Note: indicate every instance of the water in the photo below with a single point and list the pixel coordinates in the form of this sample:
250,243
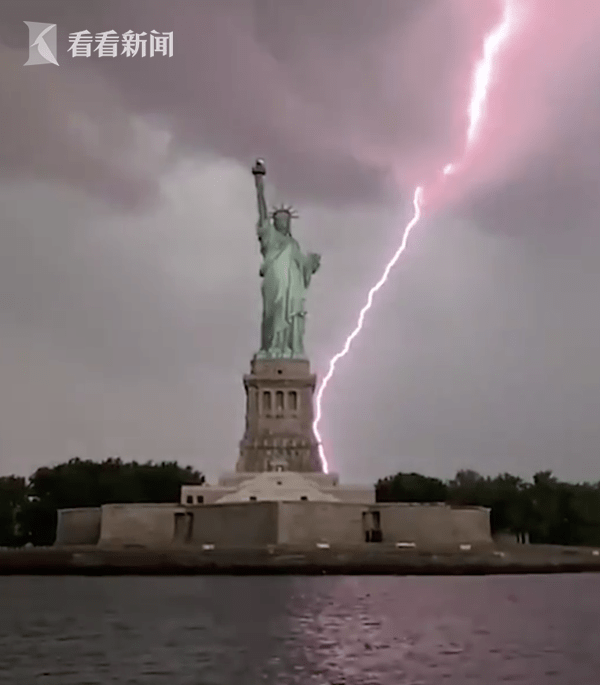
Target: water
300,630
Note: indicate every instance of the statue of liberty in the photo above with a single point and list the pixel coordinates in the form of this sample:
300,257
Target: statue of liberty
286,274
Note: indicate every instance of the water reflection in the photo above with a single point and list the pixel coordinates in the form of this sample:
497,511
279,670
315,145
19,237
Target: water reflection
294,630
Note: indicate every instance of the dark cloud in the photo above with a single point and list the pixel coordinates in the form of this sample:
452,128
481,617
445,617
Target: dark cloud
319,97
74,129
348,105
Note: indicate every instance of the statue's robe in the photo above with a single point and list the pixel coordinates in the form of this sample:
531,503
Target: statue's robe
286,274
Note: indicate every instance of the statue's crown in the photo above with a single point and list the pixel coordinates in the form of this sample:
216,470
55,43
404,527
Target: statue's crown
285,209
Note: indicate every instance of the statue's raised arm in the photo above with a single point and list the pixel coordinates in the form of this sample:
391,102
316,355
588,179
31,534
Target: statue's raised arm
259,171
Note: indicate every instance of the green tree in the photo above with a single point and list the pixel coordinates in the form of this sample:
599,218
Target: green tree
548,510
469,488
79,483
13,497
410,487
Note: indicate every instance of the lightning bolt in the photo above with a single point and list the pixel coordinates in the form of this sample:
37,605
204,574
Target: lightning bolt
481,82
483,74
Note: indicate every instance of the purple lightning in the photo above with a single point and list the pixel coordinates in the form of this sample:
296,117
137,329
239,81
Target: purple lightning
482,79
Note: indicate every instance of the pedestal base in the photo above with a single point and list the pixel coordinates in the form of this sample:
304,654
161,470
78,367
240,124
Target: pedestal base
279,417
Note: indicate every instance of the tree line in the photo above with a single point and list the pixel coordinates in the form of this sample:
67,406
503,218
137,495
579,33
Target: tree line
28,506
546,510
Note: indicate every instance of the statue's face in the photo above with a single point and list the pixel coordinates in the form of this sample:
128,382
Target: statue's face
282,222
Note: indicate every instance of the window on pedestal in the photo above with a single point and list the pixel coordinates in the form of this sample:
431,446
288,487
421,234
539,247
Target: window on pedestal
267,401
279,401
293,400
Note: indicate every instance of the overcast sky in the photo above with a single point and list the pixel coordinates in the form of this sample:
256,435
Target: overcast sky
129,287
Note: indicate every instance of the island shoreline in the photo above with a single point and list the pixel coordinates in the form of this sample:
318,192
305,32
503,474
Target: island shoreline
94,561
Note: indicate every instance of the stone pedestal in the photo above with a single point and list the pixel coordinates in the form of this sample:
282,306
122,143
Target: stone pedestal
279,417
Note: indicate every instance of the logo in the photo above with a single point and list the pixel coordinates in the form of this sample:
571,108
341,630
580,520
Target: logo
42,43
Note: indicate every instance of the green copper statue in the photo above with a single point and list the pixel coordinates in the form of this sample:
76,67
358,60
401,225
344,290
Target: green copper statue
286,274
